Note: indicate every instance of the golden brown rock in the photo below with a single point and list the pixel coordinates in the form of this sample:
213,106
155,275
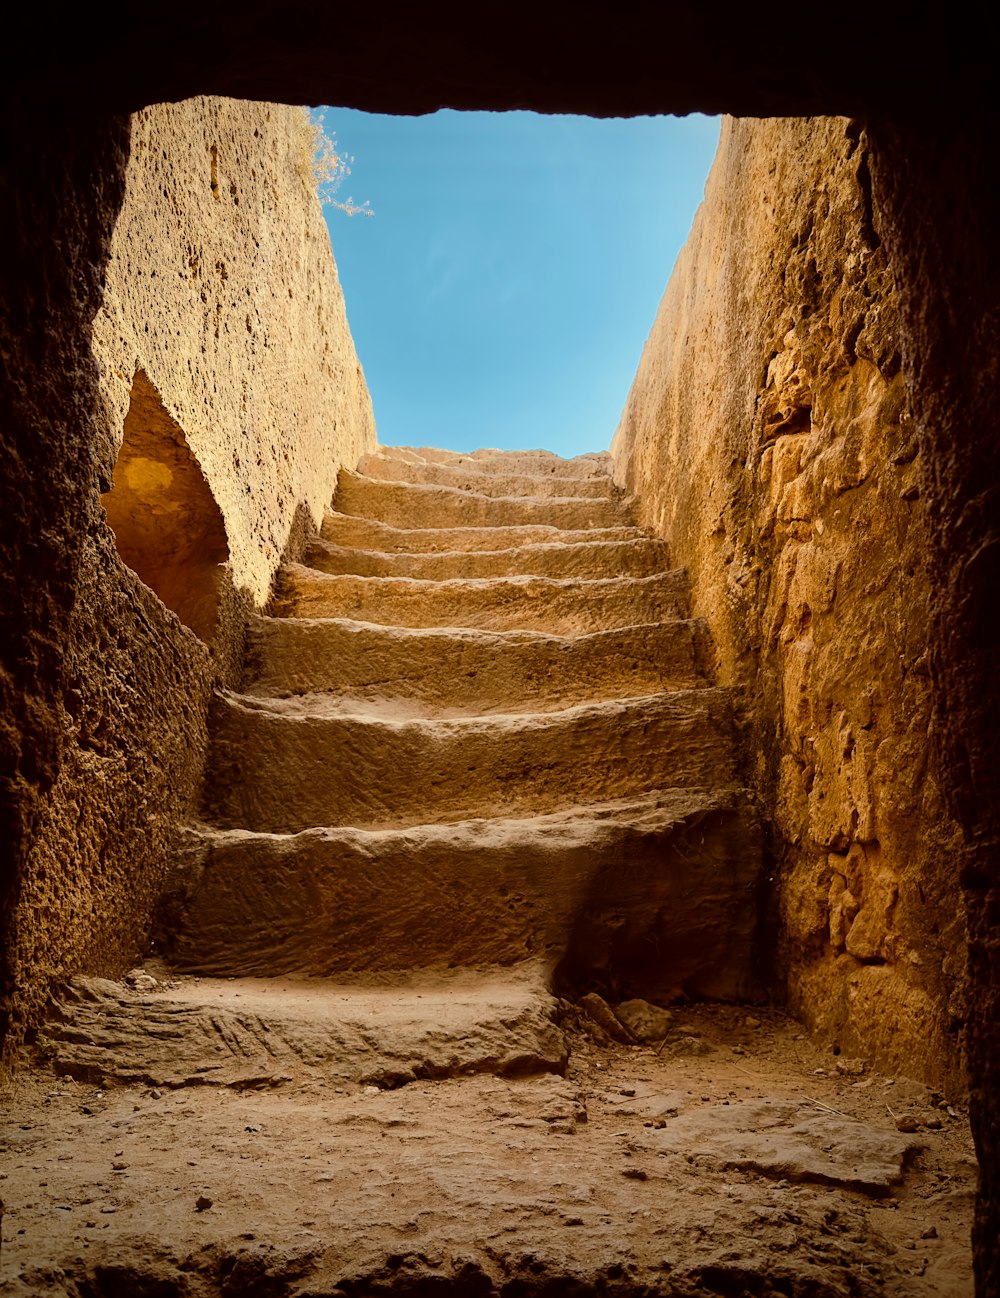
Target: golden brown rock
222,293
768,440
463,769
228,375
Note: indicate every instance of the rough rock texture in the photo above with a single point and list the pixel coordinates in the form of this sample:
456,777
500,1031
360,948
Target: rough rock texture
932,119
221,291
537,770
745,1166
246,1033
217,303
769,440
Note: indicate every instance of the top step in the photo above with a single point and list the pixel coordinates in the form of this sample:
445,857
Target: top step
498,479
496,461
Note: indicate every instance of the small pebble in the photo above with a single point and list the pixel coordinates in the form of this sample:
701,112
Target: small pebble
751,1022
634,1173
202,1202
929,1233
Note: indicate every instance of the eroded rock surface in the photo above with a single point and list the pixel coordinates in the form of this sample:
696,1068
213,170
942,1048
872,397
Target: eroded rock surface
484,763
670,1172
245,1033
210,321
769,442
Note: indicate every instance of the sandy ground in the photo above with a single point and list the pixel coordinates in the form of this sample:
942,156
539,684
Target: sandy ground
735,1158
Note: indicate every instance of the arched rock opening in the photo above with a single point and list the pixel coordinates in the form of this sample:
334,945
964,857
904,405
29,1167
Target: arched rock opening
167,525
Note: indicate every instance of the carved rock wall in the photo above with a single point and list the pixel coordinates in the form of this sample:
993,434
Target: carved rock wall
221,336
222,290
768,438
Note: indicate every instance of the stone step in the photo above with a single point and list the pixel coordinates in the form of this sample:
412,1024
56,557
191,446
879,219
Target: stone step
473,475
562,606
599,886
470,671
282,765
635,558
410,504
487,461
354,532
249,1034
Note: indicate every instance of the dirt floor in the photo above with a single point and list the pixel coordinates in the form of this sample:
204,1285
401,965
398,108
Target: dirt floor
734,1157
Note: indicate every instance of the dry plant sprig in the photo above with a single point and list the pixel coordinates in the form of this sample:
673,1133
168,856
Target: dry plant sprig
323,164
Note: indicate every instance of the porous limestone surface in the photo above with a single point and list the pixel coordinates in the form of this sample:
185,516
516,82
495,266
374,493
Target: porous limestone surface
222,290
730,1157
523,602
594,887
538,769
419,504
407,671
222,315
282,765
642,557
767,440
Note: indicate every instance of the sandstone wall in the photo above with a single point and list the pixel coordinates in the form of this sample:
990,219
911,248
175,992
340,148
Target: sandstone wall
222,290
227,366
768,438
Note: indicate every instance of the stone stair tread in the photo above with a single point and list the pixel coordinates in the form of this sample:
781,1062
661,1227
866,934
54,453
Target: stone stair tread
421,504
475,477
442,456
655,808
298,708
248,1033
535,463
562,604
637,556
280,769
497,890
369,533
498,671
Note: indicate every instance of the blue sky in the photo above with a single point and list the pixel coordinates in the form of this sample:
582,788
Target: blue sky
502,293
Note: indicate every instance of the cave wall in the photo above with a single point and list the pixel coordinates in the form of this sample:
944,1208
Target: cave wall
931,118
221,289
211,322
769,438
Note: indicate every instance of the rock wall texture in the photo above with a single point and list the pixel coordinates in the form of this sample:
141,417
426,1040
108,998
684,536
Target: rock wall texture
931,117
222,291
221,348
769,439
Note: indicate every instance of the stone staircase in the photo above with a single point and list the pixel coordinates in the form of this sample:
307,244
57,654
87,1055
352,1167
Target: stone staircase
479,757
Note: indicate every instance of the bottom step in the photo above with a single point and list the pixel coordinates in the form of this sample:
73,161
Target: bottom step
251,1033
656,893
